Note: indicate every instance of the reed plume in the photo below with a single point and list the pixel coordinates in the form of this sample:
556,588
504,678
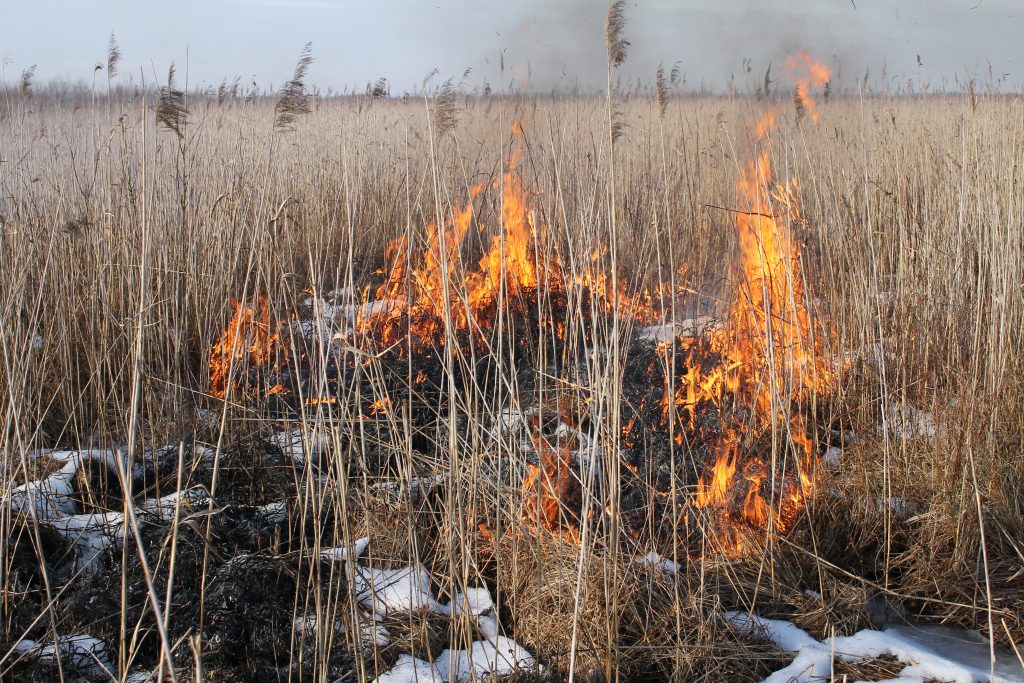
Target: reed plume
25,82
113,56
800,104
613,29
674,75
379,89
661,90
293,102
171,111
446,114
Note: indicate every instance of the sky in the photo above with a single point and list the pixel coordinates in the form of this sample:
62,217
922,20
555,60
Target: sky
544,45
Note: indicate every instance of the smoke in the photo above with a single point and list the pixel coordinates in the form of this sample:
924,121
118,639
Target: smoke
560,46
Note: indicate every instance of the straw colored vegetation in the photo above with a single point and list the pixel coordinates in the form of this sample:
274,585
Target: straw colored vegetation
130,228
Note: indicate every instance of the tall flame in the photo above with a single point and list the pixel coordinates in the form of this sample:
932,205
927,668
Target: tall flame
774,353
813,75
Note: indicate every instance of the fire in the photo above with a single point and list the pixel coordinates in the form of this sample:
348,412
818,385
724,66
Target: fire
730,390
443,292
247,342
551,492
773,351
814,75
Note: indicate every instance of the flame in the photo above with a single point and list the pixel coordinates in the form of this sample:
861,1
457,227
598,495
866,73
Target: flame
381,406
247,342
814,75
751,375
551,493
772,350
440,291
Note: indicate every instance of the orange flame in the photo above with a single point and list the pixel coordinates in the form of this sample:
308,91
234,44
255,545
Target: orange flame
773,350
247,342
814,75
520,259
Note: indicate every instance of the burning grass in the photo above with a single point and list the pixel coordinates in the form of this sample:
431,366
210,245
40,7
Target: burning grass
620,435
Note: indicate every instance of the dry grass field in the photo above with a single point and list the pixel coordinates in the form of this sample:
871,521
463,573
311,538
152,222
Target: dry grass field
788,361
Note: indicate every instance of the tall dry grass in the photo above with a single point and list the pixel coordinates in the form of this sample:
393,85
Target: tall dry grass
124,243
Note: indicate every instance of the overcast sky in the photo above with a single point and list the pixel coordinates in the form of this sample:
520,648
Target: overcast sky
546,43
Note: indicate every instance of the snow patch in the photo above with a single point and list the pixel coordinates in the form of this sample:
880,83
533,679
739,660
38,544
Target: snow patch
908,422
832,457
87,655
929,653
394,590
653,559
408,669
499,656
341,553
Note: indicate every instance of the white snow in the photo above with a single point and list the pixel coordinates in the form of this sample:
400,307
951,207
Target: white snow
341,553
92,533
299,446
408,669
901,508
273,513
832,457
417,486
474,602
691,327
409,589
908,422
921,649
497,656
51,497
87,655
371,631
394,590
653,559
